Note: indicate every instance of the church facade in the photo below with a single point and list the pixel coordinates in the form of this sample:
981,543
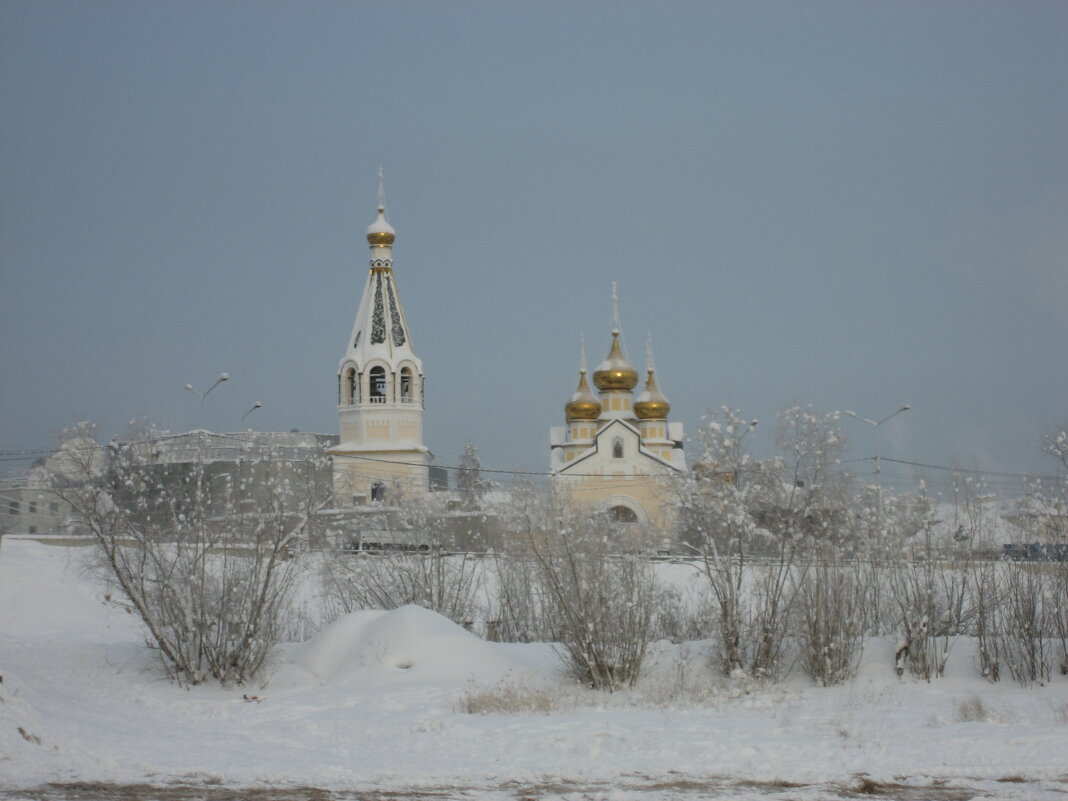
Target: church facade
617,451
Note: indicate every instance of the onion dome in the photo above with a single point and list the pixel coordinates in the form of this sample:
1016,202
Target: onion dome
651,404
583,404
615,372
381,232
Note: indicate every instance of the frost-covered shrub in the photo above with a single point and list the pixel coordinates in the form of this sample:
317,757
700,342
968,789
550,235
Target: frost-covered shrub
830,616
598,605
752,521
446,584
682,613
1059,588
202,551
985,598
1028,622
514,609
932,613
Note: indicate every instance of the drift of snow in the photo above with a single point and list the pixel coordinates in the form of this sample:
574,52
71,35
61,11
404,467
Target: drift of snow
404,646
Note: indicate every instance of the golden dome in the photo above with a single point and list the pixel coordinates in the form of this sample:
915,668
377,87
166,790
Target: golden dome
381,232
583,404
651,404
615,372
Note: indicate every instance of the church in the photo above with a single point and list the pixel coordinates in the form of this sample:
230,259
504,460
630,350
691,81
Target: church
611,457
380,456
616,450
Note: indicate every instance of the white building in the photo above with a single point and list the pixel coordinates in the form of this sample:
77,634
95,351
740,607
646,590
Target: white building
381,454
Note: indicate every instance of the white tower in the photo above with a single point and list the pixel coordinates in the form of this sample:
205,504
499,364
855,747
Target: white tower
380,389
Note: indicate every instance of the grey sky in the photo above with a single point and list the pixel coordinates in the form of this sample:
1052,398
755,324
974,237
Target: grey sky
853,205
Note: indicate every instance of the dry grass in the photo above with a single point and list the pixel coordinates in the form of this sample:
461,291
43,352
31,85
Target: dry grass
1060,712
515,699
973,710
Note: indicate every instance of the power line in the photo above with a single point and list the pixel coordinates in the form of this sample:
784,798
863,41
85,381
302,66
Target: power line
21,455
972,471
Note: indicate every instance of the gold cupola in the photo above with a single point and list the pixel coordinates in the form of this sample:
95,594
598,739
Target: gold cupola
651,404
615,372
583,404
380,232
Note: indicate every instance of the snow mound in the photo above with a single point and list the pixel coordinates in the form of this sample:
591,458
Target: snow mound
406,644
46,594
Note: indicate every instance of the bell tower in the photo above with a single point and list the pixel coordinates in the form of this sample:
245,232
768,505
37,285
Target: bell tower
381,455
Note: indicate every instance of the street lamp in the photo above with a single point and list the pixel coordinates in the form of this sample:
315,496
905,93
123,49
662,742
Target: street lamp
878,469
222,377
254,407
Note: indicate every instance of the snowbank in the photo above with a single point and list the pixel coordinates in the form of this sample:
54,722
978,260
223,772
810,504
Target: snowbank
372,704
409,645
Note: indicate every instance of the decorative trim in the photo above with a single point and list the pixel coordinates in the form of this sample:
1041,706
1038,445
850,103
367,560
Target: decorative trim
397,328
378,320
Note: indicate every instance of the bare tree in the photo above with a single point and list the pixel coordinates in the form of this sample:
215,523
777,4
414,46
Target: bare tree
469,479
420,571
444,583
716,510
1054,495
1027,621
515,612
595,602
831,618
200,550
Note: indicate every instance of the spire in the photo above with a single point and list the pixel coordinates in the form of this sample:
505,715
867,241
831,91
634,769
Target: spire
582,351
616,325
615,372
649,366
381,329
380,233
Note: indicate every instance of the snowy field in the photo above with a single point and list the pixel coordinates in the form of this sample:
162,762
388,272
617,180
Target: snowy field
375,707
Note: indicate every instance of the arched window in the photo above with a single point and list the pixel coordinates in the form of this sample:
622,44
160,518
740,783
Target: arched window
623,514
406,385
378,384
378,492
349,392
617,448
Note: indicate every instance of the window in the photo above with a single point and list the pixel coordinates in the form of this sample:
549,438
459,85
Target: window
33,529
53,506
406,384
33,507
623,514
378,491
617,448
350,392
12,507
378,384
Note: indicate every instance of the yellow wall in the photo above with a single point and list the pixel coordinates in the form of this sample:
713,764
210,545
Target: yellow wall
403,473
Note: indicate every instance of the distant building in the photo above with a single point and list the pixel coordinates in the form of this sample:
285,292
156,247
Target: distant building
29,506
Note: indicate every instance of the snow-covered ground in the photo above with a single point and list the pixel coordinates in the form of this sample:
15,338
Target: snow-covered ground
373,706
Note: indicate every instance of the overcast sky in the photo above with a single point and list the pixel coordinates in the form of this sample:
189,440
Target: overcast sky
849,205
